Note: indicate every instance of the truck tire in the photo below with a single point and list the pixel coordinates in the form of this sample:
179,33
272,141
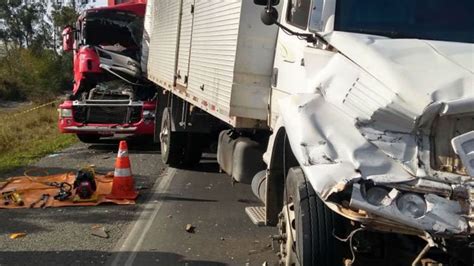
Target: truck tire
306,226
172,142
88,138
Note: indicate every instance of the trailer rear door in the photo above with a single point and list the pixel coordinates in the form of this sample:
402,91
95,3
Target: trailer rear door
185,40
162,61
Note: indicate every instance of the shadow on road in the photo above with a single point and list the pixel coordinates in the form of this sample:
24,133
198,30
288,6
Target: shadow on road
87,257
165,197
134,145
205,166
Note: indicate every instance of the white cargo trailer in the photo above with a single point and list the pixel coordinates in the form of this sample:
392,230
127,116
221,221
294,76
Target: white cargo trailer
216,55
341,110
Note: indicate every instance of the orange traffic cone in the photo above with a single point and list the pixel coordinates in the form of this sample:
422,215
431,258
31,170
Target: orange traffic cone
123,186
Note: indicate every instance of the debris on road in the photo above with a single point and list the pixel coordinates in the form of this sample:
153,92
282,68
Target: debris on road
17,235
142,187
190,228
99,231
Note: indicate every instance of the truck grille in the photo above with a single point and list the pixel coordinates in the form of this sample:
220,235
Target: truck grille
107,114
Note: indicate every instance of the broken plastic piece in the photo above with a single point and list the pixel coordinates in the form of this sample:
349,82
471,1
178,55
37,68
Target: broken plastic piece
17,235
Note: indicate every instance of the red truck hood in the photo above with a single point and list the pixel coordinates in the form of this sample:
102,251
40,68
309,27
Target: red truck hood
137,8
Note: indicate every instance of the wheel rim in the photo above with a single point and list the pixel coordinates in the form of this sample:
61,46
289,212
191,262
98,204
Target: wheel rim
287,230
164,137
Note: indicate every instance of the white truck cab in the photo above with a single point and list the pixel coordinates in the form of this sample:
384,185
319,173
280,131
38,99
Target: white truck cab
374,97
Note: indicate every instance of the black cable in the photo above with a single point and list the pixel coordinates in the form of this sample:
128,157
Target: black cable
303,36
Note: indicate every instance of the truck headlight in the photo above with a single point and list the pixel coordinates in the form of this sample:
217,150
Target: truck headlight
65,113
148,115
411,205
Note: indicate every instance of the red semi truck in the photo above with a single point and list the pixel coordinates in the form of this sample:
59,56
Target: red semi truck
110,96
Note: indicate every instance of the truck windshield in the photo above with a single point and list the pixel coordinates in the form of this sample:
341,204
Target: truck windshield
445,20
109,27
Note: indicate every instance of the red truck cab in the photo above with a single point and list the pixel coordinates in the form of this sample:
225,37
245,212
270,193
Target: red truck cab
110,96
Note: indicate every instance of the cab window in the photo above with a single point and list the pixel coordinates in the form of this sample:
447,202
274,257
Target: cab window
298,13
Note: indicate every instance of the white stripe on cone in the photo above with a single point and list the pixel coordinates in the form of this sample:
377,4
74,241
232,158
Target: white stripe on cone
120,172
122,153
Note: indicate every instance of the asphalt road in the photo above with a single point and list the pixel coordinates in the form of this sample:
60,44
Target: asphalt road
151,232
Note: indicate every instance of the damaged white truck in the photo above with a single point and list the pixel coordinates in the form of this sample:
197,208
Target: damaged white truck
353,120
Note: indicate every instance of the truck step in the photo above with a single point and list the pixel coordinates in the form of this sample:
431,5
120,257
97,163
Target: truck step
256,215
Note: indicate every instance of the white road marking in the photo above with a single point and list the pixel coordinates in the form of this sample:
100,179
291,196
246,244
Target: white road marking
131,245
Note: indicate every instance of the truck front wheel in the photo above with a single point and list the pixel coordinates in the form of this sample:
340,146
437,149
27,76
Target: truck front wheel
307,225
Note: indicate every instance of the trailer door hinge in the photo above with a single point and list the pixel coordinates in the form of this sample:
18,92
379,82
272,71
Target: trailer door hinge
192,9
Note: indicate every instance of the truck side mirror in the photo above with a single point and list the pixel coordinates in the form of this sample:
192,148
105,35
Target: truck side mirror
266,2
269,16
68,39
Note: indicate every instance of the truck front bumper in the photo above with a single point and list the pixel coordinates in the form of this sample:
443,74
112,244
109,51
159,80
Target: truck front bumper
101,129
142,126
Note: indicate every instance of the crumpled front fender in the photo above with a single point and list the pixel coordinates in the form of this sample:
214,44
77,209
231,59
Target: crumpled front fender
330,149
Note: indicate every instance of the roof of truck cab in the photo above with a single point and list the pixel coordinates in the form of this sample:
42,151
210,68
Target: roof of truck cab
136,8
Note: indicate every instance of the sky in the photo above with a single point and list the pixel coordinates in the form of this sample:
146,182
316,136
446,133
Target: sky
96,3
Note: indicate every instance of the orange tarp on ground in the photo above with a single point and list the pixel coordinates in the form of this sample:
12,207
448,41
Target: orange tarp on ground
31,190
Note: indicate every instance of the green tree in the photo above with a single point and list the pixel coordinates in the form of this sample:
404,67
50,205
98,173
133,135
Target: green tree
30,66
64,15
22,22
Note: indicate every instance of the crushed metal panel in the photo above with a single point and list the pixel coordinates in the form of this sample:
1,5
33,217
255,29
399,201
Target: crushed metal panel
441,216
329,147
147,33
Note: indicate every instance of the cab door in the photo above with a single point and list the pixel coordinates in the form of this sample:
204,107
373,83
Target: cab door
289,74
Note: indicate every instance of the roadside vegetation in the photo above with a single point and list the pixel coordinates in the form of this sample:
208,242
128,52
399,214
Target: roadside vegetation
27,137
37,76
32,69
32,66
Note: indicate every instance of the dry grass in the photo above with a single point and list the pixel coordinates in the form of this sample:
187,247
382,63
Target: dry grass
26,137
